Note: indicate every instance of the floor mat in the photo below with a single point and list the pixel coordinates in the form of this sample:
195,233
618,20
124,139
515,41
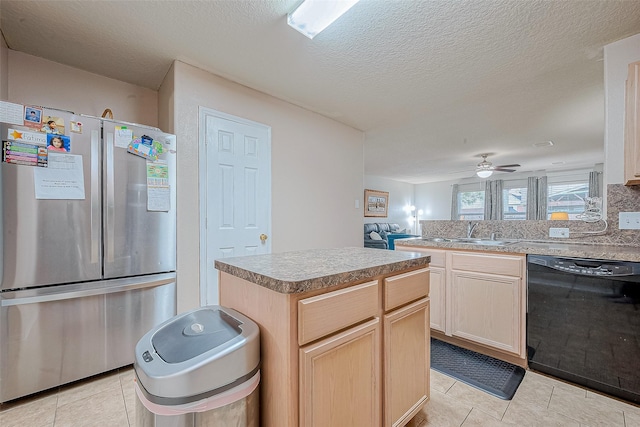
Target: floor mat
494,376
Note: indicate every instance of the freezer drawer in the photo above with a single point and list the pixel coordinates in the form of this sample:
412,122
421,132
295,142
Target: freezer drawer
52,336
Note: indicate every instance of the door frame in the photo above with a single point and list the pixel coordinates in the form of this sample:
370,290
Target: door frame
203,113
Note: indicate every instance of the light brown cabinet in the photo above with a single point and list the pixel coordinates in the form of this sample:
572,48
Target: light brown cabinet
339,374
407,362
437,289
632,126
437,285
406,345
341,371
356,356
478,300
487,294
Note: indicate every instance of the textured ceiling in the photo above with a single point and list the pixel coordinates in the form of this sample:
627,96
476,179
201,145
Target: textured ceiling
433,84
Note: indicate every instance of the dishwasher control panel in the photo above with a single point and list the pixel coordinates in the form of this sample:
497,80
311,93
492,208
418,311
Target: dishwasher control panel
588,267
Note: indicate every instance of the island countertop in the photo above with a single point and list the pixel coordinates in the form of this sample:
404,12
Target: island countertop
302,271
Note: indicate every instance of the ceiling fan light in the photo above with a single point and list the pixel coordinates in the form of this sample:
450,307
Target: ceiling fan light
484,173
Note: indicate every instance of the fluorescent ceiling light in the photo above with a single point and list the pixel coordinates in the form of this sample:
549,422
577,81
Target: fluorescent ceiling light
313,16
484,173
543,144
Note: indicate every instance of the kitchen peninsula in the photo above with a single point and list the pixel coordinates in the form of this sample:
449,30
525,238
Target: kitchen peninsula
344,333
478,291
564,309
578,249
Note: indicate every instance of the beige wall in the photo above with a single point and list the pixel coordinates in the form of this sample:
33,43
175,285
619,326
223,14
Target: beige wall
401,195
317,171
4,69
166,103
34,80
434,198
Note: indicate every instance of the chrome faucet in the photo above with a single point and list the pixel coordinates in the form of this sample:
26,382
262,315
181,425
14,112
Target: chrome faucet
470,227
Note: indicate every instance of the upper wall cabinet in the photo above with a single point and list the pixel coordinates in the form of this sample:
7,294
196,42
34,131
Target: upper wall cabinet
632,126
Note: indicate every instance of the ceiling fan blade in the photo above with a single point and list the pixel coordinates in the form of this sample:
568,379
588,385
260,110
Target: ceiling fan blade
503,170
509,166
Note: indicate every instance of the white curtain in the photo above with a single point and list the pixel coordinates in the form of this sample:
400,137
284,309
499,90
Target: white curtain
497,205
532,197
537,197
454,201
493,199
542,198
487,199
595,184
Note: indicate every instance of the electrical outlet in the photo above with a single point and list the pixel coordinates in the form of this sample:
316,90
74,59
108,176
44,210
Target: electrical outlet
629,220
559,232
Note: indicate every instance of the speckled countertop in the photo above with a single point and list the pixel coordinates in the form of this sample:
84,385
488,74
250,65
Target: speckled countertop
556,248
302,271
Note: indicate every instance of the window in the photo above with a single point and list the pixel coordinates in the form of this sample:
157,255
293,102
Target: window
470,205
567,197
557,192
514,200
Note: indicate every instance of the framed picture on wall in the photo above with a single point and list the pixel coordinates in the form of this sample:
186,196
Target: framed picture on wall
376,203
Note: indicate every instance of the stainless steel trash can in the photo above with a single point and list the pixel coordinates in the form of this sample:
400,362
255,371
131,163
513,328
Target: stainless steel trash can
200,368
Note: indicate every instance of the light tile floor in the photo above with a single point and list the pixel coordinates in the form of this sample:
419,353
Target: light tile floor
106,400
109,401
539,401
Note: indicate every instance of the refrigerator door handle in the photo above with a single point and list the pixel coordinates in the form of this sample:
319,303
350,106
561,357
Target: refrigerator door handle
110,201
120,285
95,197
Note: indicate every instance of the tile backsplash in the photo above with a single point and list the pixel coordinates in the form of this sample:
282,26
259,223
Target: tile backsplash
620,198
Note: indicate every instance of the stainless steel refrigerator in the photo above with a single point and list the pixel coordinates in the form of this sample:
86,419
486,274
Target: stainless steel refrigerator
88,250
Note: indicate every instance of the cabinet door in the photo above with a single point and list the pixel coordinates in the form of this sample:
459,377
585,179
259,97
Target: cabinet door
437,296
437,284
632,126
486,308
340,379
406,362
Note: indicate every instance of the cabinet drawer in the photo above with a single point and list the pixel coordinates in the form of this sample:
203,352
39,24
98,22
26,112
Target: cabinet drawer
404,288
504,265
437,258
327,313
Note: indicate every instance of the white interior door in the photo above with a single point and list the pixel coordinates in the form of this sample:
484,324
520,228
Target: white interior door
235,193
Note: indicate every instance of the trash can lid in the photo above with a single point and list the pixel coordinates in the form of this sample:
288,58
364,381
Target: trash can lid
194,334
197,354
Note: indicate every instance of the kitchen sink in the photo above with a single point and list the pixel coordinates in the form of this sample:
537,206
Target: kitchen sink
488,242
472,241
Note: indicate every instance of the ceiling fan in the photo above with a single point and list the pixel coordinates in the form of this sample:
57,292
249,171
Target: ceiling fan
485,168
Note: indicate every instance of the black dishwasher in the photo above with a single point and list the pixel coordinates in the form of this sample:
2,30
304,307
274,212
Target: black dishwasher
583,322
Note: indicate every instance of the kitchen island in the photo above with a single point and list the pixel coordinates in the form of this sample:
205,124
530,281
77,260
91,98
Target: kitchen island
344,333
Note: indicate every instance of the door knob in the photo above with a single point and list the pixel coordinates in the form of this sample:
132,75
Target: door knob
263,237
